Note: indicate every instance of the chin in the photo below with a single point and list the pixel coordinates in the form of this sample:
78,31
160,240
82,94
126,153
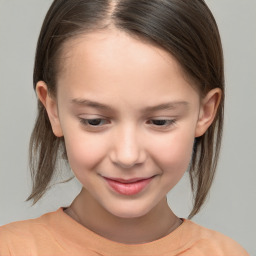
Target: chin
130,211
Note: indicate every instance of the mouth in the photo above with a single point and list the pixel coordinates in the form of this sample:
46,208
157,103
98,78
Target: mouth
128,187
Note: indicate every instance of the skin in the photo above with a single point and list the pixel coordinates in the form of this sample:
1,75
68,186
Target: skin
112,68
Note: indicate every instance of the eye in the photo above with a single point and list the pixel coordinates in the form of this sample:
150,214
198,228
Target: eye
95,122
162,122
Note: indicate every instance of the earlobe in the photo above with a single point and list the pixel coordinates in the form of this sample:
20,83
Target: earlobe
50,105
208,110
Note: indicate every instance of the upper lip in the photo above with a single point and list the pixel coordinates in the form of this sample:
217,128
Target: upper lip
128,180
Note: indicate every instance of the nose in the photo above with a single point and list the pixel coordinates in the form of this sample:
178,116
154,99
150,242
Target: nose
127,150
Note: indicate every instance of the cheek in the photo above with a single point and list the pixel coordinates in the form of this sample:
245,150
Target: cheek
173,153
173,156
84,152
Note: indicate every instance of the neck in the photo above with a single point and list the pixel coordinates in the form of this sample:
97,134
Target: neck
156,224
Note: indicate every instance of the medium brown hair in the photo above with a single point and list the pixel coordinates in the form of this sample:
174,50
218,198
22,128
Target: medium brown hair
184,28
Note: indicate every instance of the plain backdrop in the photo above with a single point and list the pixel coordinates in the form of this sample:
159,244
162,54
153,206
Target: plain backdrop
231,207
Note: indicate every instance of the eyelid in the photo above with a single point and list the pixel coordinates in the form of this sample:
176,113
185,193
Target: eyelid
170,122
85,122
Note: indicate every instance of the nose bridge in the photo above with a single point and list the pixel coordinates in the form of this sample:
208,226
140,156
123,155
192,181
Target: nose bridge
128,148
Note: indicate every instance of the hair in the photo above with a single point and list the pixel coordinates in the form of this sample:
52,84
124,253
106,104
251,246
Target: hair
184,28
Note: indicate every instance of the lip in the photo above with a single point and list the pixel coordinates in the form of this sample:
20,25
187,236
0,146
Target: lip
128,186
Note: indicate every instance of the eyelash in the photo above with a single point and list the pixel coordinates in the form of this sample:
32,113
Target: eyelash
169,122
85,122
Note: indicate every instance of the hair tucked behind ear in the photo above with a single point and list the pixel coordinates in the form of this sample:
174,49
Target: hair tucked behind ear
184,28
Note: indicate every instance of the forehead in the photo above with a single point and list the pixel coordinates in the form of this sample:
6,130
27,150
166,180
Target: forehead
111,61
115,47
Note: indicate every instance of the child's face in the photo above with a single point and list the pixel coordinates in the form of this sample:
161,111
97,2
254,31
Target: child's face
125,140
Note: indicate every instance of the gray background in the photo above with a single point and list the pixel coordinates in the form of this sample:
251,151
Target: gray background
231,207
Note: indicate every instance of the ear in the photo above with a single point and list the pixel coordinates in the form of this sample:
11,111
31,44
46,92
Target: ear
50,105
208,110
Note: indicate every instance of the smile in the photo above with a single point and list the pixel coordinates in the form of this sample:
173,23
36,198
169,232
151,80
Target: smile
128,187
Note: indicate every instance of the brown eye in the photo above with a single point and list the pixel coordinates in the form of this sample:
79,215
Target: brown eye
159,122
93,122
162,122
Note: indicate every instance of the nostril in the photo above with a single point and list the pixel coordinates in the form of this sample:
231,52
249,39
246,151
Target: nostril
126,157
125,165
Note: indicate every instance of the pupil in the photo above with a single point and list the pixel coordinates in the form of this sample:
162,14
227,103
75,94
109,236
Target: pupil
159,122
94,121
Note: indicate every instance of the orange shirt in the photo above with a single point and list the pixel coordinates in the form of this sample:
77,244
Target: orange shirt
57,234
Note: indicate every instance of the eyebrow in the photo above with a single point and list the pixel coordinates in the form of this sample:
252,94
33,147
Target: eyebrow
97,105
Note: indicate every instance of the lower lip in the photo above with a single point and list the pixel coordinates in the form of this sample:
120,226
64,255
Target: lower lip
128,188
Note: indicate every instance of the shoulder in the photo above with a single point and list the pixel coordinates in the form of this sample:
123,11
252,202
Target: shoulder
21,236
211,242
15,236
26,228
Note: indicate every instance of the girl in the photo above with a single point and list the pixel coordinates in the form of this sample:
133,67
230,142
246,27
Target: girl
131,94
